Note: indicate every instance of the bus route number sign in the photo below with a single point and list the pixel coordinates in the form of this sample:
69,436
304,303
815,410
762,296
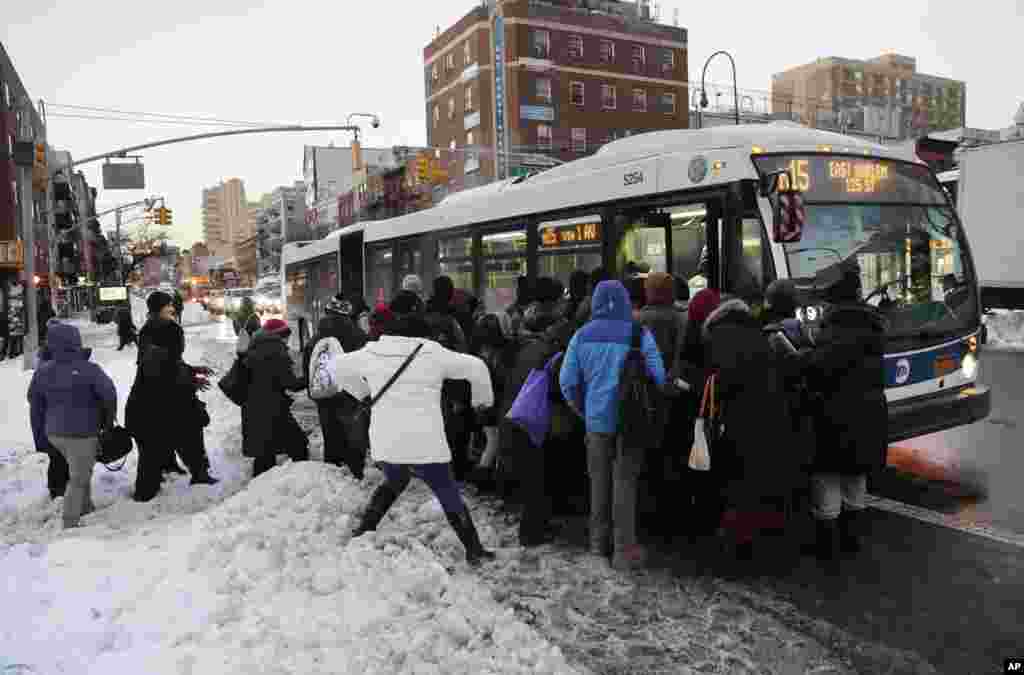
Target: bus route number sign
570,235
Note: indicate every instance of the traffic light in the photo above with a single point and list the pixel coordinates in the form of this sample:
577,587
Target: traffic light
40,172
165,216
422,169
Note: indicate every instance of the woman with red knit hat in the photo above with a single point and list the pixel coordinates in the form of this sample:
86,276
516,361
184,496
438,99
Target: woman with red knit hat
691,372
267,411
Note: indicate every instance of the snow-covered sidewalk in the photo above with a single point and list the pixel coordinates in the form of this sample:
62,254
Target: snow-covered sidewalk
241,577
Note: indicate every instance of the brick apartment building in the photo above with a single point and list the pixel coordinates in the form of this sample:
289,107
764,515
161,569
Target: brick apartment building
570,76
886,97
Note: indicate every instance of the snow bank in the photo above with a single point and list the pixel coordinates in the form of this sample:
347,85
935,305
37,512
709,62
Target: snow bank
267,582
1006,329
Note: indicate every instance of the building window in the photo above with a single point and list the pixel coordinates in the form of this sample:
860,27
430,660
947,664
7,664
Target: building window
639,100
668,103
576,93
437,115
451,108
540,44
469,138
579,140
544,136
543,92
449,61
469,98
639,57
467,52
575,46
607,51
608,97
668,60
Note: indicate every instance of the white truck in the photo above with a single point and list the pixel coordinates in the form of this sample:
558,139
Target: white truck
988,189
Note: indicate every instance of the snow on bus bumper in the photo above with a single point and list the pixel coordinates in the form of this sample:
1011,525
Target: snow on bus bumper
938,412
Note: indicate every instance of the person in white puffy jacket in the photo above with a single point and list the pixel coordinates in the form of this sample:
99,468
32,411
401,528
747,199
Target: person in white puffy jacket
407,434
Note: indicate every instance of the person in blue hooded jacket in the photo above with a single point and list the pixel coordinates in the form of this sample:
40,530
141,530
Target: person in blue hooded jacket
589,380
71,400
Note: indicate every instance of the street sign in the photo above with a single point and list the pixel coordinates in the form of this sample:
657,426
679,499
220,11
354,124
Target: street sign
128,176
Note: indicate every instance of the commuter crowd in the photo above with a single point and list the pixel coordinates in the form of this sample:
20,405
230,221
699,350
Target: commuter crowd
711,414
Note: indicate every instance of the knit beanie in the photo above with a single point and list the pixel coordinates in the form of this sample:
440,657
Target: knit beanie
660,289
702,304
157,300
277,328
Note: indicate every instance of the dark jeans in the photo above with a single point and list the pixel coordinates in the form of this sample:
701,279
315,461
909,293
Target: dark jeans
338,446
438,478
192,450
126,340
288,438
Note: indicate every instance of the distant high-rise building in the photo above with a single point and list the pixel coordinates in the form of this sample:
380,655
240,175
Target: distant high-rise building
882,97
226,216
519,79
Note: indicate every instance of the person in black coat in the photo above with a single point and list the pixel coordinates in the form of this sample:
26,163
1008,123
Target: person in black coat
126,332
188,440
340,446
159,407
845,371
267,415
752,458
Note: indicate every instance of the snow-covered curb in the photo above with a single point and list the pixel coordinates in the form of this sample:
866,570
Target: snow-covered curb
1005,330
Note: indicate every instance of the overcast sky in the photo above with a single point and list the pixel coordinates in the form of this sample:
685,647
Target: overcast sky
311,62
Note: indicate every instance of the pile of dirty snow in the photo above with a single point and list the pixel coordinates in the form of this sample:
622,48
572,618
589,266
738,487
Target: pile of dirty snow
266,582
1006,329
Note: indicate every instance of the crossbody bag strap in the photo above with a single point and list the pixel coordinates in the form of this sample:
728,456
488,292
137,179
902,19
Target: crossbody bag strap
398,373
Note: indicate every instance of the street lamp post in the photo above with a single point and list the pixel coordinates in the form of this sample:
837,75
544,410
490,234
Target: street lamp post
735,88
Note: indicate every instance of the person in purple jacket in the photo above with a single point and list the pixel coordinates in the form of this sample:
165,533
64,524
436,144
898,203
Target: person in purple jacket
72,400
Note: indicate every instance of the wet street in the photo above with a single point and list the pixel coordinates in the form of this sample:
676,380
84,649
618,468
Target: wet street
987,458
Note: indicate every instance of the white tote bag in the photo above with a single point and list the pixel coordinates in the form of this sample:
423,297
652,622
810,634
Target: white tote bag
700,454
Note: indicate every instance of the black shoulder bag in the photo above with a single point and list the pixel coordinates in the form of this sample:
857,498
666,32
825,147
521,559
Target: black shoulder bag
357,424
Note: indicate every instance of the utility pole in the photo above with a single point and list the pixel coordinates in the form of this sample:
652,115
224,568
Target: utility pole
51,243
28,233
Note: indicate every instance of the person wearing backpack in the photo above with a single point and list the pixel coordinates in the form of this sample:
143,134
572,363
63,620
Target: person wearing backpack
665,462
337,334
591,380
404,372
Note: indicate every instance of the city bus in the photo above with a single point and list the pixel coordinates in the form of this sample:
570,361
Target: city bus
693,203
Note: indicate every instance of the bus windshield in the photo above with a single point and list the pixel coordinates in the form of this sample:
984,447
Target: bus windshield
892,219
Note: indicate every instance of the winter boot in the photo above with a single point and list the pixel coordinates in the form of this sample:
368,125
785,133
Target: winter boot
203,477
463,525
379,504
850,523
825,540
630,558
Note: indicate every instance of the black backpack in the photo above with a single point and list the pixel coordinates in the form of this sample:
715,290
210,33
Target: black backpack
641,407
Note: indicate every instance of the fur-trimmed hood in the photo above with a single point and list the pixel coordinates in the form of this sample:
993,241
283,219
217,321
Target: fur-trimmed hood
727,307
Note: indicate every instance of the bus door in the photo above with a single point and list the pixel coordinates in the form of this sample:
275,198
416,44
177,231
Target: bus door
351,273
677,237
748,267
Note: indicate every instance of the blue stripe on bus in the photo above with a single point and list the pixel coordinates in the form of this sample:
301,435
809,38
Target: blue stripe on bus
921,366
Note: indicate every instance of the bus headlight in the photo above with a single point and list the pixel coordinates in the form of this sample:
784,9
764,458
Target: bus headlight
969,366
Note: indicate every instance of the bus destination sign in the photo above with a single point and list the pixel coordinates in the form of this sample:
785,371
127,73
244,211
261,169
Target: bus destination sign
579,234
849,176
824,178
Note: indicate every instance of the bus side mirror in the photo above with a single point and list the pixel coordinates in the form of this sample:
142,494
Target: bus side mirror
788,216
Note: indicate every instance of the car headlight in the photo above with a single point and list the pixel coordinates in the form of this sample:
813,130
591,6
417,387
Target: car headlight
969,366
